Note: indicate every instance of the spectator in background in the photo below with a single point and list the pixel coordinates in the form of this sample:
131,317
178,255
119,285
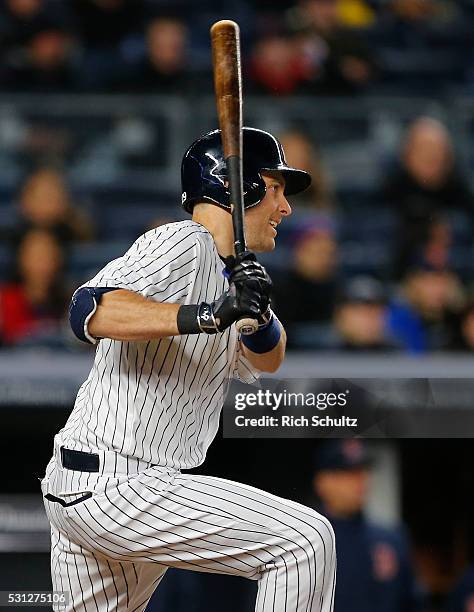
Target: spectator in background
336,57
276,67
34,302
301,153
165,67
424,315
306,293
374,572
424,187
359,318
45,203
46,63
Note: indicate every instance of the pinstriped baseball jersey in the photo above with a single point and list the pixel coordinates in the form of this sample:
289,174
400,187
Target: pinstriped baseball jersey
159,401
147,410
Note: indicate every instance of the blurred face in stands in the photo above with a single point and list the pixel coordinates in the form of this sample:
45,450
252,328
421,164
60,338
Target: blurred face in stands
166,40
44,199
362,325
316,256
430,292
343,492
24,8
40,257
322,14
274,55
428,154
49,49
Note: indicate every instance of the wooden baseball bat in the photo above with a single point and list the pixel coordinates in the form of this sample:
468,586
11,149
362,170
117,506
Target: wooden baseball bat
225,41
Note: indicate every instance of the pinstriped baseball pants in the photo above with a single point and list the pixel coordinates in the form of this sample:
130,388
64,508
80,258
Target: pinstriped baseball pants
112,549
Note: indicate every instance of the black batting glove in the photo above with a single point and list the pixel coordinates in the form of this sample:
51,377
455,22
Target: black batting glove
246,271
235,303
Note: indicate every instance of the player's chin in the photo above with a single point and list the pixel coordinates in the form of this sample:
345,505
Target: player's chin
265,248
264,245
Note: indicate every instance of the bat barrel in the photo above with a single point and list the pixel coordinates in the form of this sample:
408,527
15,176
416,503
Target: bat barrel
228,84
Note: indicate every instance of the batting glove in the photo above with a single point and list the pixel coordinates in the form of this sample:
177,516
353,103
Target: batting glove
239,301
246,271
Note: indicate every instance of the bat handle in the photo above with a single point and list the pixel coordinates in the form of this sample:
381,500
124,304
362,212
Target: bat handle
247,326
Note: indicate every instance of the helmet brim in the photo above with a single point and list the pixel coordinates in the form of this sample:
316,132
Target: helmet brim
296,180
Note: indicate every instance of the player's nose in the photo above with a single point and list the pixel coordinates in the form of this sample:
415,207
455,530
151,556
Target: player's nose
285,208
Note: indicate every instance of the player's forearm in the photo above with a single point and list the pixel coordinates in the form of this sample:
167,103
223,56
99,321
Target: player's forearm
126,315
271,360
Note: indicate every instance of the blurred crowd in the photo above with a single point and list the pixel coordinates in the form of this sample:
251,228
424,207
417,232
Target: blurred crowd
422,302
36,292
327,47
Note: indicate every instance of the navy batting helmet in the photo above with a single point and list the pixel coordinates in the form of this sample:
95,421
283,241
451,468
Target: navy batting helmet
204,173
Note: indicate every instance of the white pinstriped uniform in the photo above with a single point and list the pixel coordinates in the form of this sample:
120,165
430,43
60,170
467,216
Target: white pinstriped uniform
149,410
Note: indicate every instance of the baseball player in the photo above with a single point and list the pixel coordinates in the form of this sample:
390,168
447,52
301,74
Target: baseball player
121,505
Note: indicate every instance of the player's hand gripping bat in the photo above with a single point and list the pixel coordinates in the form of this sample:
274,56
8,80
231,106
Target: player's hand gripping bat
228,85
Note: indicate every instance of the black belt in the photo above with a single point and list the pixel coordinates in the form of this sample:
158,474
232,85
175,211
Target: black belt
79,460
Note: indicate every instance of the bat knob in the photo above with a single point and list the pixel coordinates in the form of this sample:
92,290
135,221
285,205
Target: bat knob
247,326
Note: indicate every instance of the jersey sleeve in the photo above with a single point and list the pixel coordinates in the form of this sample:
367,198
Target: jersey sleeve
160,265
243,369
